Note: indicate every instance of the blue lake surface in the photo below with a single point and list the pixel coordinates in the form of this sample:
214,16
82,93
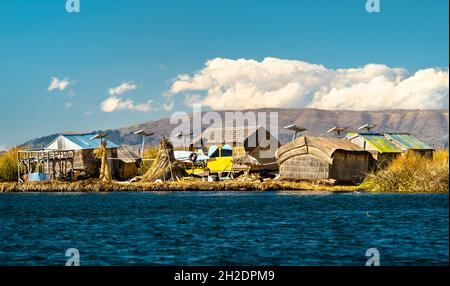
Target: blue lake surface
224,228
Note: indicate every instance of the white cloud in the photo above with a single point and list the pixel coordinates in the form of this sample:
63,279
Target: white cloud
57,83
124,87
114,103
191,99
245,84
168,106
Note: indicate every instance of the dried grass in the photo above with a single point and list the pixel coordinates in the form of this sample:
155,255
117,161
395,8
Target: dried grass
149,153
8,166
191,185
412,173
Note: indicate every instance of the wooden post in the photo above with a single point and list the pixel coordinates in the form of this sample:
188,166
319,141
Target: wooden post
18,166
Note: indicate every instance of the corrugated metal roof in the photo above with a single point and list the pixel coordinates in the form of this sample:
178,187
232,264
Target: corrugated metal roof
229,135
85,141
126,155
380,143
408,141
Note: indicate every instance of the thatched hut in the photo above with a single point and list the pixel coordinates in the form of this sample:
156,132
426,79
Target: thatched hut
320,158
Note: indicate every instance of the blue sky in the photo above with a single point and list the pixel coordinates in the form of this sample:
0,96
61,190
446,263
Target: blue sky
150,43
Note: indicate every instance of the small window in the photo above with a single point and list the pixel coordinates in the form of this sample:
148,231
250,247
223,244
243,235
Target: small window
227,151
213,151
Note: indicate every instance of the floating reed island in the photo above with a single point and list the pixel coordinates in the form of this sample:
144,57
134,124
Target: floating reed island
362,161
231,185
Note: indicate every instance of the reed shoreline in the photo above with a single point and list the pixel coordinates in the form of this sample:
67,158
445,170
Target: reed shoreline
198,186
97,186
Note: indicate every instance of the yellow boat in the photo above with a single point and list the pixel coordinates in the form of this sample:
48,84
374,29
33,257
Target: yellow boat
220,159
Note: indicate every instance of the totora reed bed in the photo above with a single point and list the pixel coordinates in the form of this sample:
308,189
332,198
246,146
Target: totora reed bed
412,173
97,186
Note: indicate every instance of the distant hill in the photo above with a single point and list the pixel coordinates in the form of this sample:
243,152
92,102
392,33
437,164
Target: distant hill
432,126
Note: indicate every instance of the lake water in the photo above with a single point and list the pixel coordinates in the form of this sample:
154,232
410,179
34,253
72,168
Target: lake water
223,228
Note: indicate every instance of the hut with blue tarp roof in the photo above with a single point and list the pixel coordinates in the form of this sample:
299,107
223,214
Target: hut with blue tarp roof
82,141
124,162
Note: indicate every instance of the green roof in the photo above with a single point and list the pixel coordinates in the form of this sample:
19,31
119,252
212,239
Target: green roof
380,143
408,141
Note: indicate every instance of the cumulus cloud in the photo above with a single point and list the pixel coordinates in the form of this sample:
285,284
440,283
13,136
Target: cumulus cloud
57,83
245,84
169,106
192,99
124,87
114,103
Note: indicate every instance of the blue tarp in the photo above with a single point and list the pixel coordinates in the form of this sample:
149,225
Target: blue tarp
85,141
35,177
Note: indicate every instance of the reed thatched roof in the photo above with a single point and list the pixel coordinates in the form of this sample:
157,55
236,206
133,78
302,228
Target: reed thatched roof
321,147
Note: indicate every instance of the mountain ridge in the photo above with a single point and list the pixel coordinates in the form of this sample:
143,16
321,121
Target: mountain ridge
431,126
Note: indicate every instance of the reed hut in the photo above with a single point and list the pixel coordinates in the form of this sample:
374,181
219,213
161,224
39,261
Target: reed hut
320,158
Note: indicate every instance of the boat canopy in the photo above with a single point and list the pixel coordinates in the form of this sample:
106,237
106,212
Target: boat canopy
213,151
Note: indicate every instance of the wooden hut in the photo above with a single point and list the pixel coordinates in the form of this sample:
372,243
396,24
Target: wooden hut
381,148
409,143
83,146
124,162
320,158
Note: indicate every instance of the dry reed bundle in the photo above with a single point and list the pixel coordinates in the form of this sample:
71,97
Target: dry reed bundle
165,167
105,169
